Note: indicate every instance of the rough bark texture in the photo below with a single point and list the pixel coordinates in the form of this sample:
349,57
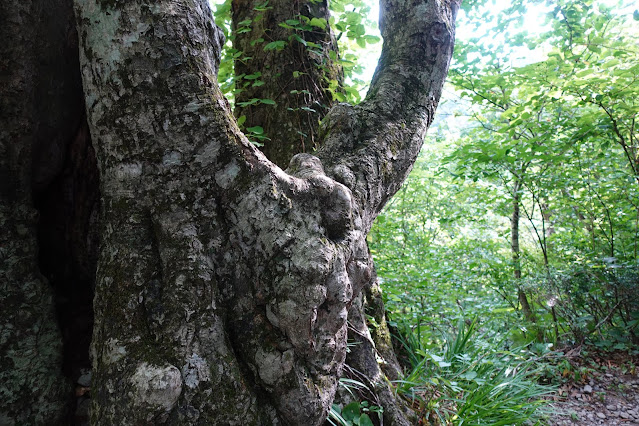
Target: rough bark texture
311,89
224,283
371,147
32,80
296,77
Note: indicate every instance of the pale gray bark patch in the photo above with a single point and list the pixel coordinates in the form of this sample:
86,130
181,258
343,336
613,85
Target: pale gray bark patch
156,390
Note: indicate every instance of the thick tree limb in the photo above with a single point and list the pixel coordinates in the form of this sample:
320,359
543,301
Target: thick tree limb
371,147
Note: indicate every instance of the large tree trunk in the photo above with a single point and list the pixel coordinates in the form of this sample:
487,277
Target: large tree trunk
224,284
299,78
41,106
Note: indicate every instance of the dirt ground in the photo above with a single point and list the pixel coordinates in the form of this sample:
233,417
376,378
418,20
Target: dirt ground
602,389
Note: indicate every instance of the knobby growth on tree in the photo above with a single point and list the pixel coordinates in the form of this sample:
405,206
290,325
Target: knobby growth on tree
226,286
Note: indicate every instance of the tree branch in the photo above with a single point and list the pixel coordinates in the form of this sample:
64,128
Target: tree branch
371,147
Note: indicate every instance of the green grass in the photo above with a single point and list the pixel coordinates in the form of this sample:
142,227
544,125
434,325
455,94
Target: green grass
471,383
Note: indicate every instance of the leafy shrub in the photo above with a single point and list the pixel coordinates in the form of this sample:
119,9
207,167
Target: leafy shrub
597,305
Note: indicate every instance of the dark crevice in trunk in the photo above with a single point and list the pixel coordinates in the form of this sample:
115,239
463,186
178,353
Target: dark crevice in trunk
65,190
68,244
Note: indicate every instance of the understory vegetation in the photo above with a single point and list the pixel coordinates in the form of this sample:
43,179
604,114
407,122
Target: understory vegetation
516,236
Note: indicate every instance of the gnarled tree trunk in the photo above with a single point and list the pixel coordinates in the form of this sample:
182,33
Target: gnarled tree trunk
225,285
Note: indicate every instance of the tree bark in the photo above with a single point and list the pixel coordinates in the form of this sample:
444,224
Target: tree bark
224,284
369,351
296,77
35,125
516,253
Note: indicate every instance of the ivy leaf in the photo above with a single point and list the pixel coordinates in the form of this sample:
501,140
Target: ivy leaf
258,130
319,23
253,101
253,76
262,7
298,38
268,101
275,45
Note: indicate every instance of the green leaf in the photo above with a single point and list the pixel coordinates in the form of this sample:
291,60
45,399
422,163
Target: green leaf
351,411
268,101
275,45
253,76
584,73
610,63
364,420
241,120
319,23
298,38
253,101
371,39
258,130
337,6
262,7
469,375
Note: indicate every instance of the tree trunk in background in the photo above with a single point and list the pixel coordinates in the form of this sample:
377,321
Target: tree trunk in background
224,284
296,77
516,253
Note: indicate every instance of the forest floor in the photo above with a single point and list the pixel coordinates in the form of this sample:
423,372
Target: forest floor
603,389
